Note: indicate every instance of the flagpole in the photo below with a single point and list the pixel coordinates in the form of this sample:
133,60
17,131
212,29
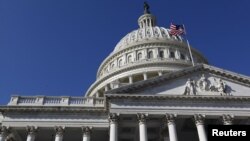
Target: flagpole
189,48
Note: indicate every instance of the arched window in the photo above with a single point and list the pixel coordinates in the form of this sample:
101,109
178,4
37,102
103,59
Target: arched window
139,56
172,54
161,54
182,57
129,59
150,54
120,62
112,66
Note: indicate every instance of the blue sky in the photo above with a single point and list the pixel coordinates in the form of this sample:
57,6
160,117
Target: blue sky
54,47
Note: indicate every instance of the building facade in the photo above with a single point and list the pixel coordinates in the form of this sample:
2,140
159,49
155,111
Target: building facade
147,89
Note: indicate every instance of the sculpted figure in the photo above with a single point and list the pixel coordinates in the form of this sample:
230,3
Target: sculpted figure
190,87
221,87
203,83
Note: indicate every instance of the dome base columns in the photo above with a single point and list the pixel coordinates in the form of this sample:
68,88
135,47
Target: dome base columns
145,76
130,79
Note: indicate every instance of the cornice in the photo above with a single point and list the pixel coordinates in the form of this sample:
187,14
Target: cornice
4,109
176,97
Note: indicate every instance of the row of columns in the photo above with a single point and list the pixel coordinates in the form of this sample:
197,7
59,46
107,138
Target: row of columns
113,119
169,121
31,130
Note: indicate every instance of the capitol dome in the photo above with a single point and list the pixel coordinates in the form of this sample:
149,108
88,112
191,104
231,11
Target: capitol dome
146,52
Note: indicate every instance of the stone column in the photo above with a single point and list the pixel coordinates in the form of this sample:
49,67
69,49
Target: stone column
86,133
227,119
145,76
59,133
130,79
142,127
199,121
3,133
106,88
31,133
113,118
160,73
170,119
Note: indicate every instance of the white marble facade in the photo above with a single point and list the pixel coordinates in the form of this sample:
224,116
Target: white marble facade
146,90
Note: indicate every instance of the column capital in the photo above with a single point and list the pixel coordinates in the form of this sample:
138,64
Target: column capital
142,117
59,130
227,119
113,117
199,119
31,130
170,118
4,130
86,130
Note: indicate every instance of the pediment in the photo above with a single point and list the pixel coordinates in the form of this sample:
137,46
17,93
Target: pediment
198,80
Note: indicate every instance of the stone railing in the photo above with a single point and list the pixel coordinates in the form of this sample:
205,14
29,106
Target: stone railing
56,101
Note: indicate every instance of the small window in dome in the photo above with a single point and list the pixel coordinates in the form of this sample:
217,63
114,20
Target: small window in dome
172,55
120,62
139,56
161,54
150,54
182,56
129,59
112,65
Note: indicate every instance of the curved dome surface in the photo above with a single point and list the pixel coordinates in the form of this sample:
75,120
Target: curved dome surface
146,33
142,54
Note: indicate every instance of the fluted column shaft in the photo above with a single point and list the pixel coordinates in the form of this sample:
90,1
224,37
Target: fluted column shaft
145,76
199,121
142,127
170,118
113,118
86,133
31,133
59,133
3,133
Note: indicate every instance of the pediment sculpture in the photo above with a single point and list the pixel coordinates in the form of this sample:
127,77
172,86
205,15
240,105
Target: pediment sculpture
203,85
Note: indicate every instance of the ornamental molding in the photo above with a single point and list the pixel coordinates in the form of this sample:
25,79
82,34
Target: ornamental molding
170,118
199,119
4,130
86,130
47,109
227,119
142,117
31,130
182,98
223,74
59,130
113,117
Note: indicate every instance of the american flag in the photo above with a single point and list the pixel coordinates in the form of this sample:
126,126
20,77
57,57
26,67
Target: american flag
176,29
